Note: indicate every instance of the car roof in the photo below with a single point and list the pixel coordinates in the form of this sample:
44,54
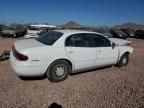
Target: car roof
69,32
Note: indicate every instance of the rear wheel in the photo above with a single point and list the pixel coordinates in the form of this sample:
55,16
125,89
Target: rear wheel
123,61
58,71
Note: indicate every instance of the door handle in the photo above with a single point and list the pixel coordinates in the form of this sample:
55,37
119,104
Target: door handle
99,51
70,52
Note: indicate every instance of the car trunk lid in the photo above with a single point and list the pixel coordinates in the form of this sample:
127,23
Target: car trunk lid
27,43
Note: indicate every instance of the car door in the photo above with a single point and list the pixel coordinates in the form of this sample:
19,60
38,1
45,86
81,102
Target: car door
104,51
79,51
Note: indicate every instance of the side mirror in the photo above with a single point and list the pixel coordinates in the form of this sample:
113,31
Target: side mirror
113,45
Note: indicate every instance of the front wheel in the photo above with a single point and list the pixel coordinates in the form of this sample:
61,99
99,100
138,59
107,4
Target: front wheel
58,71
123,61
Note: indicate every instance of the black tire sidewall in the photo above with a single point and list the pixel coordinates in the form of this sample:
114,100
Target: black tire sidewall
125,56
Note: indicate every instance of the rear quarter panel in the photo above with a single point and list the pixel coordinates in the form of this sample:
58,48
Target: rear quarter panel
45,55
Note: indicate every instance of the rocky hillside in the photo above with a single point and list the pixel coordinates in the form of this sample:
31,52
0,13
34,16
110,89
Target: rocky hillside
129,26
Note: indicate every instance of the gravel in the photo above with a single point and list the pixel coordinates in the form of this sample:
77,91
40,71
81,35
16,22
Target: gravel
110,87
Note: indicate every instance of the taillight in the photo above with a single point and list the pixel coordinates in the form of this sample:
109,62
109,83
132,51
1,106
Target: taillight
18,55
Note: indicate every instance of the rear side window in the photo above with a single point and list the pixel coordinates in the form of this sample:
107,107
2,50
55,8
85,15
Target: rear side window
49,38
77,40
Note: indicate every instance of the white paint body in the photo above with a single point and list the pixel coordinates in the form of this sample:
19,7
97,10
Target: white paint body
40,56
120,41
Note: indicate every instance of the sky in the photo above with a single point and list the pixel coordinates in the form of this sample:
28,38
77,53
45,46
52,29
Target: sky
84,12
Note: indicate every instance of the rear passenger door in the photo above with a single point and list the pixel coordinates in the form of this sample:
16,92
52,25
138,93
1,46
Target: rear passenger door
79,51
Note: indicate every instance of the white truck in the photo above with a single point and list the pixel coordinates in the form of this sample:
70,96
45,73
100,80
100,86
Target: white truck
35,30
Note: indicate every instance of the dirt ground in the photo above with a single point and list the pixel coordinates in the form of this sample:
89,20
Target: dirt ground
104,88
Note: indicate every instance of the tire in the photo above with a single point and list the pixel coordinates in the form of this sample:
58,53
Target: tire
123,61
58,71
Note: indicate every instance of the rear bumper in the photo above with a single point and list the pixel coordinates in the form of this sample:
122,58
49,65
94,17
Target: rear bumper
26,70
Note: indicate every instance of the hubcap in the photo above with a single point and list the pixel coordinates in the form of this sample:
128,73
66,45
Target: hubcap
59,70
124,61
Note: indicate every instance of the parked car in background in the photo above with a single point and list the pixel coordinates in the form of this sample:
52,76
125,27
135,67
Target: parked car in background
104,32
59,53
20,32
107,34
0,28
118,34
33,33
8,33
130,33
12,32
119,41
139,34
38,29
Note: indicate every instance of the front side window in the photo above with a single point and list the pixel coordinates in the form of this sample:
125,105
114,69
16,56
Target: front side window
49,38
100,41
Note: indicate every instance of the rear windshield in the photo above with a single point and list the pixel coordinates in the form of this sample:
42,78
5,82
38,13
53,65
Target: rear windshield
49,38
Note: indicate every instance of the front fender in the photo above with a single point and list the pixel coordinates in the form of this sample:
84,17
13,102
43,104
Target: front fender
124,49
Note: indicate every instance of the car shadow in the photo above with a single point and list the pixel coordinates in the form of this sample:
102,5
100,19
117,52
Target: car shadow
32,78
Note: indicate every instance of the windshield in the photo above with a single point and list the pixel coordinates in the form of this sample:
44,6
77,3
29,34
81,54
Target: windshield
49,38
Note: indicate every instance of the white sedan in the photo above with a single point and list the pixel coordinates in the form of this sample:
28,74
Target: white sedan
59,53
